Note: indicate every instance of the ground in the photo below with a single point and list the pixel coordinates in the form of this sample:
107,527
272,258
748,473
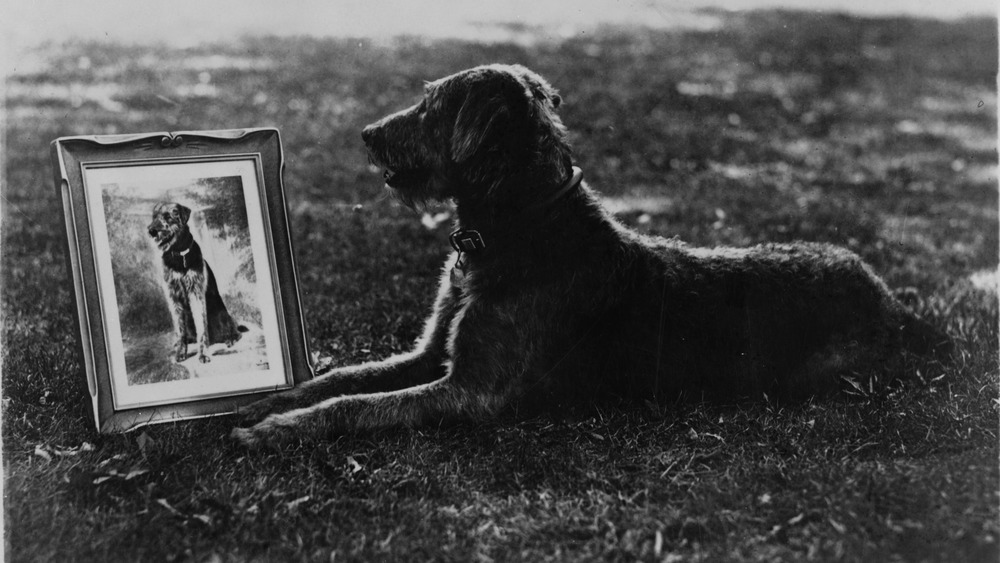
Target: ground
878,135
150,358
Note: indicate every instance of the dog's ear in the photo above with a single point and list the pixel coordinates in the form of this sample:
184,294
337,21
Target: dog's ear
180,212
479,118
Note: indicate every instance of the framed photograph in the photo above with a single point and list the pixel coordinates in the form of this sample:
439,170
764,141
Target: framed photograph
182,263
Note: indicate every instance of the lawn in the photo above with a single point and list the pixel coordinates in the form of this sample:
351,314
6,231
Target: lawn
875,134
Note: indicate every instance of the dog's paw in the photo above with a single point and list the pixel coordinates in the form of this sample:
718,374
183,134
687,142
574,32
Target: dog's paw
271,404
204,359
246,437
253,413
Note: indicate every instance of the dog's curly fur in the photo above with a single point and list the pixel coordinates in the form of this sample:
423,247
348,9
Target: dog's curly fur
565,304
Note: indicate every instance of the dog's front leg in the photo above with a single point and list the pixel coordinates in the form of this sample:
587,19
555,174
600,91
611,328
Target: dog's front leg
485,371
458,395
409,407
422,365
403,370
178,310
200,313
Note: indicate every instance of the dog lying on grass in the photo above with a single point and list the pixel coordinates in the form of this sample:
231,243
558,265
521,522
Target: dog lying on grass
547,299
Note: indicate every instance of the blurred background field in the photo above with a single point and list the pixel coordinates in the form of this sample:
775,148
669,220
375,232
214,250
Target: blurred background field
875,132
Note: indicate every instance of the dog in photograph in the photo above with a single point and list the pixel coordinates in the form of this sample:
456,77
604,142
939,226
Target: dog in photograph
548,300
200,316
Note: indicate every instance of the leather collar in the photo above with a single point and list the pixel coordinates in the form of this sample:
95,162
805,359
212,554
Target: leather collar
470,240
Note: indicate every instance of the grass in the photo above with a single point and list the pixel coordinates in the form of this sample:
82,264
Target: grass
879,135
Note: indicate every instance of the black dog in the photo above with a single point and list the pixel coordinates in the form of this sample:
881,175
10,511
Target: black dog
196,305
548,299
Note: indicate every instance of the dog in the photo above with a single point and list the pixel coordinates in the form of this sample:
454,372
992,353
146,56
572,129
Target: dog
199,314
548,300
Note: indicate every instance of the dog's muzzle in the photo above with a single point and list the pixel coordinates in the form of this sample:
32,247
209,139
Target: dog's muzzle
162,237
396,176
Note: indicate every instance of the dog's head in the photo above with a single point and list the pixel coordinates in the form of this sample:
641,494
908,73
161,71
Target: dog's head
471,131
169,225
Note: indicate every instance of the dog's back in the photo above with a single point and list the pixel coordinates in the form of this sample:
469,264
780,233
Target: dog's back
656,317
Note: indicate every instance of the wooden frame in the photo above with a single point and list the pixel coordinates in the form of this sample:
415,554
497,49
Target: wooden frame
227,188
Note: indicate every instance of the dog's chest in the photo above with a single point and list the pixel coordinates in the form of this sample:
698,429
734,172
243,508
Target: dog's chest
459,277
469,280
460,271
188,278
174,262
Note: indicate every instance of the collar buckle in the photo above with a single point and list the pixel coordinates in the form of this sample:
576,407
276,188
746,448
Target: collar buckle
466,240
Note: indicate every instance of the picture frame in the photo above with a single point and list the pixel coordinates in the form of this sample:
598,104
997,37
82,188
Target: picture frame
183,270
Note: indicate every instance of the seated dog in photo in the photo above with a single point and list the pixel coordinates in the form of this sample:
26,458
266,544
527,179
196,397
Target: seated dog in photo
198,311
548,300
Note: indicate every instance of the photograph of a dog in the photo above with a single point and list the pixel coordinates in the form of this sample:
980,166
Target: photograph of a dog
547,299
200,316
184,279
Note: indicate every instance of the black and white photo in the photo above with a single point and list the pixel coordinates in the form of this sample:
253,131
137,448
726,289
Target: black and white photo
195,313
